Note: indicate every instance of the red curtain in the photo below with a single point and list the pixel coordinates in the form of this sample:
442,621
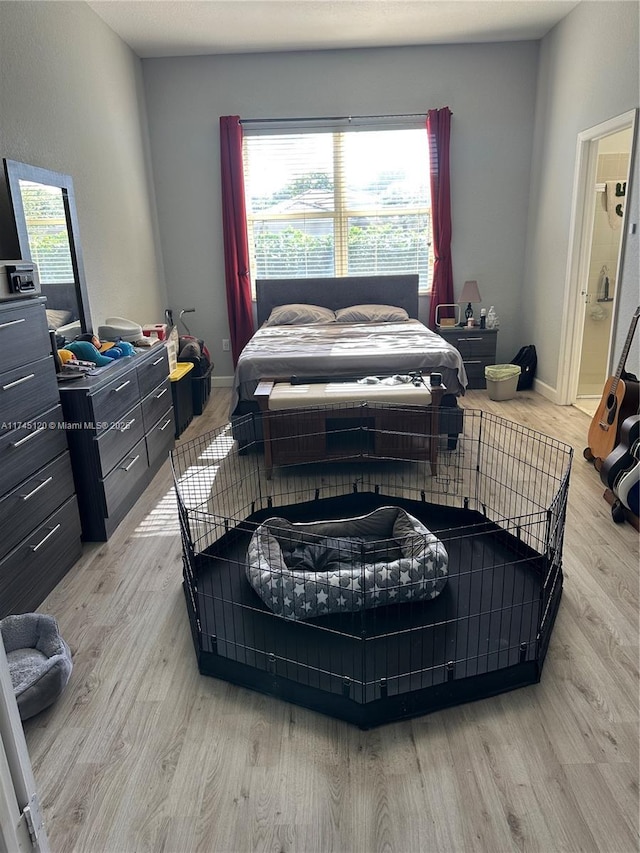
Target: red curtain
438,131
234,229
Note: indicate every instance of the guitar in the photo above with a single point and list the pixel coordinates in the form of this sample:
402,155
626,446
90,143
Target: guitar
621,457
619,400
627,488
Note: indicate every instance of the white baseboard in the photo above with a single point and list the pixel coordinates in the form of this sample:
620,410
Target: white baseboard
222,381
546,391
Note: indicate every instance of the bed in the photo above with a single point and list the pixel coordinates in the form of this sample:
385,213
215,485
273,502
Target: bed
379,343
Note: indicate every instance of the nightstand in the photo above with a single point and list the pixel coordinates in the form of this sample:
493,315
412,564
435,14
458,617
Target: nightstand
476,346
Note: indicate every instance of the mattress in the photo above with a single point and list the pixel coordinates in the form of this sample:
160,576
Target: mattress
344,350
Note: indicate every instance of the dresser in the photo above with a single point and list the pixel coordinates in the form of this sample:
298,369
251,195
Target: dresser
120,427
39,520
477,348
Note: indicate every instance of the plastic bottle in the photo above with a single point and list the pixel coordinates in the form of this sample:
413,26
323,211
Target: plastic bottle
491,318
483,318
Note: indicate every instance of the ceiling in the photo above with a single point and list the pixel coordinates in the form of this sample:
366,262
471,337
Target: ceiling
192,27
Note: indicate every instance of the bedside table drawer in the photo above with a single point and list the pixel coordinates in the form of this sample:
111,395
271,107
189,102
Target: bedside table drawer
475,374
474,346
477,348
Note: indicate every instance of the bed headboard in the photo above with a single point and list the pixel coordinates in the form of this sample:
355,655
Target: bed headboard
334,293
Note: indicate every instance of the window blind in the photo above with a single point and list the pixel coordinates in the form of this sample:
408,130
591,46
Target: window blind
48,234
328,202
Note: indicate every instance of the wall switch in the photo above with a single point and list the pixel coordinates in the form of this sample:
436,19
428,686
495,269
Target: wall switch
225,344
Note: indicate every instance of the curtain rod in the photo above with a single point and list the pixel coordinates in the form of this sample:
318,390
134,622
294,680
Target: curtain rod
328,118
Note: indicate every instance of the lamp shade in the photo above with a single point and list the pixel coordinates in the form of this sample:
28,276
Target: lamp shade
470,292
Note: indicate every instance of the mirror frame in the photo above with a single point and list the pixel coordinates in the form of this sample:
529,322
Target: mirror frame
15,172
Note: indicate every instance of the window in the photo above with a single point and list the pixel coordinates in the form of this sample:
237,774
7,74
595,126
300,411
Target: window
334,203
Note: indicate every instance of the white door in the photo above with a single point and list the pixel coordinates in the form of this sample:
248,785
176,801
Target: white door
603,161
21,828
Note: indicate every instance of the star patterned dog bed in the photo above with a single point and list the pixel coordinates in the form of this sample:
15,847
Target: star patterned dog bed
302,570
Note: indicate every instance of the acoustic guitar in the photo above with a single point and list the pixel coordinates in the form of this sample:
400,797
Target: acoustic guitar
627,488
619,400
621,458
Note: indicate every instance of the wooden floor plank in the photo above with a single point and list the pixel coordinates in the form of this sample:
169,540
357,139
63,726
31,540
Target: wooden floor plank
141,753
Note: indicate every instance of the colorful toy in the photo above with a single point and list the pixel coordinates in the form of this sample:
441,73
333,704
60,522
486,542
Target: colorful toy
86,351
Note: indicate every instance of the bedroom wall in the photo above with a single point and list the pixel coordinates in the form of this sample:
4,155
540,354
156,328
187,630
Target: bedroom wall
71,100
588,74
490,89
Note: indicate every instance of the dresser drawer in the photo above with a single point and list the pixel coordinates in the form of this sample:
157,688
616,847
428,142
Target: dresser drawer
39,562
156,403
114,400
124,477
160,438
118,440
24,450
21,327
153,371
27,390
33,500
474,346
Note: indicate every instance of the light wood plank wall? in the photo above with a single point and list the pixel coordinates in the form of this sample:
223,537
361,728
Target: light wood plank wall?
141,753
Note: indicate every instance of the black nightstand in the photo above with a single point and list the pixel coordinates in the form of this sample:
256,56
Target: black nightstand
476,346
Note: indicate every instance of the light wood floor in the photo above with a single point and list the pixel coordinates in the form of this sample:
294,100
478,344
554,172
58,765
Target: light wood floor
141,753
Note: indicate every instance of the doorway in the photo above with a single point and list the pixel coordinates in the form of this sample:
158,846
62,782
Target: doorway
599,214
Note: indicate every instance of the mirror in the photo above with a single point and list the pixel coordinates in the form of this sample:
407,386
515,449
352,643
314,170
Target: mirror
39,222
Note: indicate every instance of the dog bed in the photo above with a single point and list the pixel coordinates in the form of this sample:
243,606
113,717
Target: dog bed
302,570
39,660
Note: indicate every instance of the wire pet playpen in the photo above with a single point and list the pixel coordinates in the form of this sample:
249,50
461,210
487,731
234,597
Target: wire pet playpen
286,596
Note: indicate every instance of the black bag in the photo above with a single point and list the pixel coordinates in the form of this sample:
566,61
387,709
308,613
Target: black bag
194,350
528,360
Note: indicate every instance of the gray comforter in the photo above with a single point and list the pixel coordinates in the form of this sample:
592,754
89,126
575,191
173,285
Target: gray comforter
345,349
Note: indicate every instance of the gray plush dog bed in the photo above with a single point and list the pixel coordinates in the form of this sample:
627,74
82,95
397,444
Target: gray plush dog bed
39,660
311,569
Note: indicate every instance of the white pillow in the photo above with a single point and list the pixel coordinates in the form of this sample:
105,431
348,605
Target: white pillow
297,314
57,318
371,314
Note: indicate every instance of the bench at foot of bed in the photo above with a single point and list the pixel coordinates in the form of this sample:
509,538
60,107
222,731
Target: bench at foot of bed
348,420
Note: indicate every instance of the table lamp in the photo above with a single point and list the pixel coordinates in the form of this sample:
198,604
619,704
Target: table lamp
470,294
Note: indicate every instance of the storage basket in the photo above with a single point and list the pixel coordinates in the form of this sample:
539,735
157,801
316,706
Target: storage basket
502,380
181,394
200,390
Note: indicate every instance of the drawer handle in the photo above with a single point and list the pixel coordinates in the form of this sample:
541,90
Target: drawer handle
157,361
128,425
164,391
120,387
37,489
165,425
12,322
131,464
18,381
28,437
48,536
473,361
